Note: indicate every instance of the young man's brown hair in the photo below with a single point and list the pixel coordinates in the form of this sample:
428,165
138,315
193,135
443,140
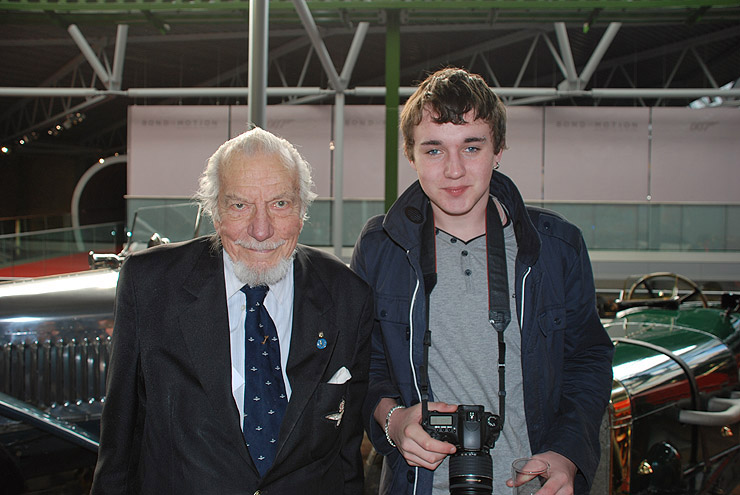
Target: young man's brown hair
451,93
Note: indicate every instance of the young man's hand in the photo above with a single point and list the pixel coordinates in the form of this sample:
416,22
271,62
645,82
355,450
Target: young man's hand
561,476
415,444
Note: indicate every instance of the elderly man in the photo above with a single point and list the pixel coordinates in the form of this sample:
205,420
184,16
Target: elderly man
239,361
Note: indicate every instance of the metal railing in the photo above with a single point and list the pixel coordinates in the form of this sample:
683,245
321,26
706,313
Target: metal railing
30,247
625,226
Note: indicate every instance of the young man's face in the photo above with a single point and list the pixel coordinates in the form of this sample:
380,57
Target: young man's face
260,213
455,164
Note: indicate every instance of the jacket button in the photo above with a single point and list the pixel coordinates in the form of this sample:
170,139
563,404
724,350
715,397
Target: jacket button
557,321
383,313
410,476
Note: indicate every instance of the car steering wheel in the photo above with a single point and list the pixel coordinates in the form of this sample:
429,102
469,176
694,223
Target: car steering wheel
647,282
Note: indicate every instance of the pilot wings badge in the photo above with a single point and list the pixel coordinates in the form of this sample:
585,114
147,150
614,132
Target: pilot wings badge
337,416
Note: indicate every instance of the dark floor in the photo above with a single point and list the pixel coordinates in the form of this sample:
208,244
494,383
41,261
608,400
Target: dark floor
373,464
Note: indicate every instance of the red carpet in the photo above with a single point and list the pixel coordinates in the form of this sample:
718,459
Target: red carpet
54,266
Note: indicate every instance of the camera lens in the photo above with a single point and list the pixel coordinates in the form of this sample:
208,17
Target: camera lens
471,473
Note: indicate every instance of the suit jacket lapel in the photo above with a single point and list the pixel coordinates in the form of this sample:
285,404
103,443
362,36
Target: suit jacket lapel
204,323
306,362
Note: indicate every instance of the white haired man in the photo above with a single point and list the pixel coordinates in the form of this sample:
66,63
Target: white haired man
195,404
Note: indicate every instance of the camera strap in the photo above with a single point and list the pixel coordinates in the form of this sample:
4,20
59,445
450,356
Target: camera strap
499,312
429,273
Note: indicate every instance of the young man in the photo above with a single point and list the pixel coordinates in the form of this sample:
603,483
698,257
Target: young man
239,361
437,261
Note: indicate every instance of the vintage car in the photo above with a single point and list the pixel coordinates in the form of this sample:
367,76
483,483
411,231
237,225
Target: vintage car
54,349
673,423
672,427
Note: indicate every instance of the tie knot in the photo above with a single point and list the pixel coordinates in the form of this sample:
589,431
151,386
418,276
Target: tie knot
255,295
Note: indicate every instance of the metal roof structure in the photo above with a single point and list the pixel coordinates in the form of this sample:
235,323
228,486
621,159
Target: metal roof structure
71,67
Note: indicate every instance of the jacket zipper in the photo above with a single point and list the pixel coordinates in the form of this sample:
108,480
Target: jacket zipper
524,283
411,350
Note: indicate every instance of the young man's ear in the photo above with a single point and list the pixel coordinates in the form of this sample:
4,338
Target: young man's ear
497,157
409,156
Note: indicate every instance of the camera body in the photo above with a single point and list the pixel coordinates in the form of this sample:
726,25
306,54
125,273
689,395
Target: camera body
469,429
473,431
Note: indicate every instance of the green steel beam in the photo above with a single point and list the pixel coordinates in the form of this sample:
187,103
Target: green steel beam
334,9
347,17
332,5
392,83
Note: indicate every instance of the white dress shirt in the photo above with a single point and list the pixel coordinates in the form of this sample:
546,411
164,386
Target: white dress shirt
279,303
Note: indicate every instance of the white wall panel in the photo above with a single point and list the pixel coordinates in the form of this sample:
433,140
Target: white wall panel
696,155
596,153
585,153
168,147
522,161
364,154
364,151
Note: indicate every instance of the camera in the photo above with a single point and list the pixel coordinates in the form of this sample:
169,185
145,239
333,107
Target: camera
473,431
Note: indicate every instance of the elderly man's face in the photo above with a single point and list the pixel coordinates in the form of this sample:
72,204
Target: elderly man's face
260,215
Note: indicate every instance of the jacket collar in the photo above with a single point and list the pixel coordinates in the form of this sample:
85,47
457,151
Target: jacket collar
406,217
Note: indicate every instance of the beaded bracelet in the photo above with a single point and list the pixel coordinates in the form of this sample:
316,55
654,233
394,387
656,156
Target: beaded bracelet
388,423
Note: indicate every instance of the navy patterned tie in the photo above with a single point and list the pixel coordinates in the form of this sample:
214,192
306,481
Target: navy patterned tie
264,391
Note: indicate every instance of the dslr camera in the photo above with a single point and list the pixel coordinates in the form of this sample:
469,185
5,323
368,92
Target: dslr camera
473,431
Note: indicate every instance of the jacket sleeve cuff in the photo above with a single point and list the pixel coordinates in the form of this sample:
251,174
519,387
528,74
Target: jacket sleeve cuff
376,432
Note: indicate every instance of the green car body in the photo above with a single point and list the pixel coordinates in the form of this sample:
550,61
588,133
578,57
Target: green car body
672,426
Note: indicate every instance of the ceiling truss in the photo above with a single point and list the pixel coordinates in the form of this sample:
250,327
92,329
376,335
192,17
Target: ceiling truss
535,33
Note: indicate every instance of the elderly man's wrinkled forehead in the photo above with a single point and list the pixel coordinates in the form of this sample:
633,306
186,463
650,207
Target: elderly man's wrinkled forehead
245,170
254,157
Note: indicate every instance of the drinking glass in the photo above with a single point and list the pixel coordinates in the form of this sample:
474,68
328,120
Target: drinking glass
528,474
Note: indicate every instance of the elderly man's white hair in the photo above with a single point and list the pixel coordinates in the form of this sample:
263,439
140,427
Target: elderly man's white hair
254,142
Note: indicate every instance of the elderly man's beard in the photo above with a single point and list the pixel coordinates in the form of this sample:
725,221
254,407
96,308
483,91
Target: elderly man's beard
267,276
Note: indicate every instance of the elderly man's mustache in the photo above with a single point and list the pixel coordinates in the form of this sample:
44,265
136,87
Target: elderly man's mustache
259,245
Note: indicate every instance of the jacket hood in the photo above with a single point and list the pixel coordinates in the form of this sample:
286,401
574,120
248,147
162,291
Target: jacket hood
406,217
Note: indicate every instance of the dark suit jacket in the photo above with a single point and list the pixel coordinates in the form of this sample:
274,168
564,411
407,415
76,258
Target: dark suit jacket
170,423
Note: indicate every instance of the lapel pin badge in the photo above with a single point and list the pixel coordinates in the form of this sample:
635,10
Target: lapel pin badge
321,342
337,416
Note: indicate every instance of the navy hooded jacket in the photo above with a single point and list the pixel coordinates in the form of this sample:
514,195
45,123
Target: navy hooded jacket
566,354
